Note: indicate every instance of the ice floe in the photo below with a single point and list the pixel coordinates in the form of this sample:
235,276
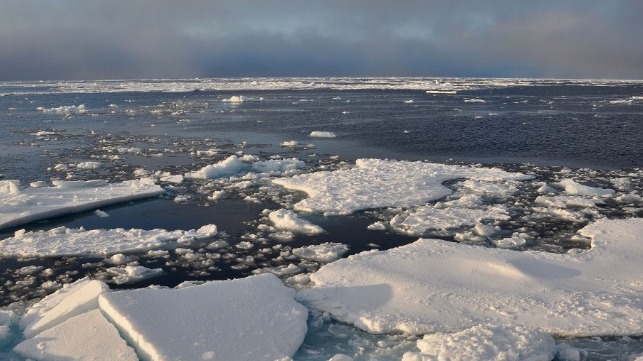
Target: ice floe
19,206
486,342
325,252
376,183
287,220
321,134
87,336
574,188
436,286
254,318
63,241
225,168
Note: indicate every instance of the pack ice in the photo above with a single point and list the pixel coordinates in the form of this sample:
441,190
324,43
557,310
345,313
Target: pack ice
254,318
19,206
63,241
436,286
376,183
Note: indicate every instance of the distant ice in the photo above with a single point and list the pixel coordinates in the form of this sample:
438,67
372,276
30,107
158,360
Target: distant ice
63,241
19,206
235,99
65,109
436,286
322,134
376,183
486,342
88,165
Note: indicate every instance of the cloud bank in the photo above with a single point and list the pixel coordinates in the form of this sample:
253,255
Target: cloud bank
93,39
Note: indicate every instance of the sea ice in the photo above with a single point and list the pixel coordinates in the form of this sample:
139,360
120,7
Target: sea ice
132,274
278,166
486,342
20,206
573,188
325,252
287,220
254,318
423,218
225,168
87,336
235,99
376,183
321,134
72,300
63,241
436,286
88,165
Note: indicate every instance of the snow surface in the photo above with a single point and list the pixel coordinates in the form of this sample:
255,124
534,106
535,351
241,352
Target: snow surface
254,318
485,342
20,206
376,183
63,241
287,220
436,286
419,220
88,336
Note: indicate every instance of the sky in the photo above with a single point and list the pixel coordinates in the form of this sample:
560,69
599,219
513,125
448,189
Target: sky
133,39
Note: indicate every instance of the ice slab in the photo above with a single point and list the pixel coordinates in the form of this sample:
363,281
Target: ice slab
377,183
225,168
423,218
63,241
485,342
20,206
287,220
88,336
254,318
436,286
321,134
325,252
73,300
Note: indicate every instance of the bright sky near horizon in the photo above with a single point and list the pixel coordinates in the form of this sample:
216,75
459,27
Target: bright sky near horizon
116,39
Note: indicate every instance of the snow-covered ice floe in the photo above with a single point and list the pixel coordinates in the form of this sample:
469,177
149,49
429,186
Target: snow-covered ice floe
234,165
321,134
436,286
377,183
254,318
486,342
19,206
63,241
287,220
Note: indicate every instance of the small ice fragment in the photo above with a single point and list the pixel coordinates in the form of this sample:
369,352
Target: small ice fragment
321,134
101,214
287,220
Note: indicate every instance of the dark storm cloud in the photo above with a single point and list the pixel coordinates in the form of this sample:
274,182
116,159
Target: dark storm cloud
89,39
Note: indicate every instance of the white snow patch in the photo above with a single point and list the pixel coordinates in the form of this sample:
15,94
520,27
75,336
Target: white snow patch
322,134
436,286
63,241
486,342
287,220
376,183
278,166
325,252
254,318
32,204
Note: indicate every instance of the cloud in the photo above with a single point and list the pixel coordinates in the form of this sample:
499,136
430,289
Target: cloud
74,39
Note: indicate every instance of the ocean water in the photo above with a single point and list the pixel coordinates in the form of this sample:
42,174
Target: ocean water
590,131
